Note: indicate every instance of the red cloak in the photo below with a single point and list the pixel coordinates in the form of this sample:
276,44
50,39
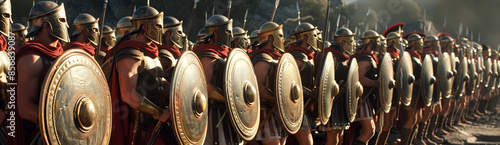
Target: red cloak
172,49
366,52
309,53
393,52
222,51
79,45
276,55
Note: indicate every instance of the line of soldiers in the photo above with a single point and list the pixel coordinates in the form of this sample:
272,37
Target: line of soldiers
157,87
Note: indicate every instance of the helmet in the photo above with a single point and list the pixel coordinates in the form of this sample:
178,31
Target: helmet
202,33
123,27
242,37
307,29
108,36
415,40
152,19
345,35
431,40
371,36
394,40
19,29
86,22
51,13
272,29
223,26
5,19
447,42
174,26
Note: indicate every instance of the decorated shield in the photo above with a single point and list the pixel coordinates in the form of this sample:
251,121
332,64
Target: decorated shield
462,77
487,72
354,89
405,78
290,100
188,100
444,74
427,80
328,89
387,83
75,104
242,96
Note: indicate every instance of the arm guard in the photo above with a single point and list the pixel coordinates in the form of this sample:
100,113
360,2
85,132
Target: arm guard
150,108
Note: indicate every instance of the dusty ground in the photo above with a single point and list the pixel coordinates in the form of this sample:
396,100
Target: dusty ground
485,130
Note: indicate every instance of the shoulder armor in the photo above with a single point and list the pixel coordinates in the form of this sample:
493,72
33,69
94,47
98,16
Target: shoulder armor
263,57
129,52
299,55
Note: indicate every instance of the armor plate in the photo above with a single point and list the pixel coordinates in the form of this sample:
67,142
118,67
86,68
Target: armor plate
427,80
405,78
242,94
289,95
188,100
328,89
444,74
387,82
75,103
354,90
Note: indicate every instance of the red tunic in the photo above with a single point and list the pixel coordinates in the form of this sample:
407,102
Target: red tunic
393,52
222,51
309,53
172,49
79,45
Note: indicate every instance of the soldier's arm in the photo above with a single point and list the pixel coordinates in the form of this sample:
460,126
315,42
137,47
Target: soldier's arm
261,70
29,70
214,93
300,63
363,68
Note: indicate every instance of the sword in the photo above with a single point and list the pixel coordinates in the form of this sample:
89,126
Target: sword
191,16
245,19
229,8
276,3
102,25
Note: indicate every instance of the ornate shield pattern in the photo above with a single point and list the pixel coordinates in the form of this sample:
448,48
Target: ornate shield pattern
242,96
328,89
387,83
188,100
75,104
354,90
427,80
290,99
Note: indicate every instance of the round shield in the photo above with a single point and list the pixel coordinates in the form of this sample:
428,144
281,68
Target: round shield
487,72
188,100
328,89
405,77
387,83
494,73
242,94
479,71
471,84
453,63
498,74
75,103
444,74
462,77
290,100
354,90
427,80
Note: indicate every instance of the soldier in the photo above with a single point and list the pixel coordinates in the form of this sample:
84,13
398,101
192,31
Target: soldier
342,50
447,45
212,54
173,42
20,32
48,25
5,26
254,40
86,34
136,60
485,88
108,41
368,70
240,39
201,34
265,60
304,51
123,27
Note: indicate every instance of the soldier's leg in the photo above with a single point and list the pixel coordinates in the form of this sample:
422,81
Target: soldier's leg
334,137
367,130
304,137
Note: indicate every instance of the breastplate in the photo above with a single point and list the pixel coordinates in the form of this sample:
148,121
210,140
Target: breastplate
149,81
307,74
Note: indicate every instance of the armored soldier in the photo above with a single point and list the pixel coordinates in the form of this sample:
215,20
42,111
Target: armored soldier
304,51
447,45
342,50
136,62
173,41
48,25
254,40
368,70
265,60
123,27
86,34
108,41
201,34
5,26
212,55
20,32
240,39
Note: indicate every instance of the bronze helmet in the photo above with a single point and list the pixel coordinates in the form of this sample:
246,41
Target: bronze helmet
374,37
311,32
201,34
108,36
152,19
432,41
394,40
174,26
447,42
254,36
19,29
240,34
51,13
123,27
415,40
89,23
223,26
272,29
345,35
6,18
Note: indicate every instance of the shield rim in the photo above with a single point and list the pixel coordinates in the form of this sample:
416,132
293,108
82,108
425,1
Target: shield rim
386,62
427,97
350,90
405,100
323,110
443,64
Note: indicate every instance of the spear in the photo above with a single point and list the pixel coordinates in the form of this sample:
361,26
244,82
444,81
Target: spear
245,19
276,3
102,25
229,8
326,20
364,19
148,3
205,18
298,11
347,25
338,22
479,38
192,15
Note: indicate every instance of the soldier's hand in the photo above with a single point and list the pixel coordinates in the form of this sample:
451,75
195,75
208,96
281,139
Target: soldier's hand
165,116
